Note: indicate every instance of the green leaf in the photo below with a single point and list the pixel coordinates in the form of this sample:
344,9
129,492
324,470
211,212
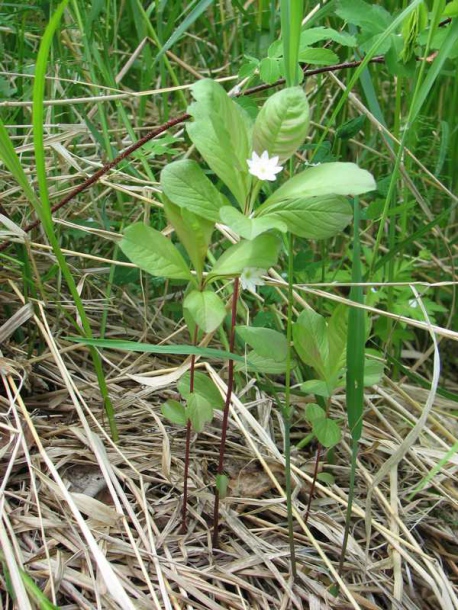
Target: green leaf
282,124
265,342
337,337
186,185
318,57
204,386
313,35
261,364
220,132
175,412
317,387
222,482
314,412
364,14
153,252
193,231
327,432
199,411
249,228
261,252
311,341
269,70
310,217
326,477
350,128
373,371
451,10
212,141
325,179
206,309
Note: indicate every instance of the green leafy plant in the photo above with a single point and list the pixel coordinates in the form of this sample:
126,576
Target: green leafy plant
242,155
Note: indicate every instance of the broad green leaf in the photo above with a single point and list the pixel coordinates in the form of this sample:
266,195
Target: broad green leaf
249,228
451,10
269,70
373,371
310,217
326,477
261,364
175,412
265,342
337,337
313,35
212,100
222,482
324,179
364,14
186,185
261,252
193,231
153,252
318,57
313,412
327,432
199,411
204,386
221,133
212,141
282,124
310,339
206,309
317,387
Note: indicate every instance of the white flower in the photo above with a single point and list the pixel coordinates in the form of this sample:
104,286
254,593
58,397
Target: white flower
413,303
264,168
251,277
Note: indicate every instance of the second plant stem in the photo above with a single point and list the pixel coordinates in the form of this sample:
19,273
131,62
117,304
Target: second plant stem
184,522
230,383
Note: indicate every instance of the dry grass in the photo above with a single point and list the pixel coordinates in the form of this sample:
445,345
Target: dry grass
98,525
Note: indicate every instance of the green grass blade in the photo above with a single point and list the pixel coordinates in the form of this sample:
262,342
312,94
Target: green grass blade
356,340
183,350
183,27
11,160
38,106
44,208
434,71
291,12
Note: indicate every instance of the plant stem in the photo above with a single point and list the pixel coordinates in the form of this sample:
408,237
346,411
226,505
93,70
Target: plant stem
313,483
184,522
230,383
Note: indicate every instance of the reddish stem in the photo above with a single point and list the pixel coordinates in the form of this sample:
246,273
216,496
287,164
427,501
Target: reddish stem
230,384
184,522
313,484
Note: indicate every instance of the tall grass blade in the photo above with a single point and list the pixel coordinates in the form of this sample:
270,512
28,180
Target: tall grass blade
356,340
183,27
43,208
291,12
